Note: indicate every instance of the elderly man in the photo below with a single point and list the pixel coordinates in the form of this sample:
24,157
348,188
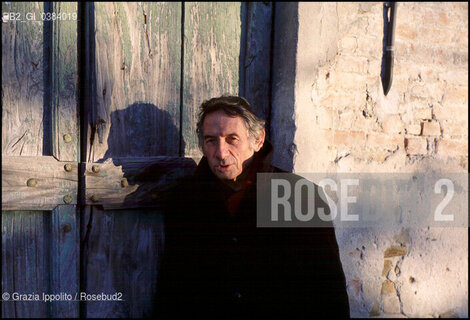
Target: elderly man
217,263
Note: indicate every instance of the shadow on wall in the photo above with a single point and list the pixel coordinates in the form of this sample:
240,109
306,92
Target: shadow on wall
142,130
132,239
137,135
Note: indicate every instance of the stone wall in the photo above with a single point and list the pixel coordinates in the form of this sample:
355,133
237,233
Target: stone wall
339,120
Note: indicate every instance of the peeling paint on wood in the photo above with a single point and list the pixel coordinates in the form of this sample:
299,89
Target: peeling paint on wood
52,183
22,81
65,260
137,86
25,262
211,60
64,83
122,254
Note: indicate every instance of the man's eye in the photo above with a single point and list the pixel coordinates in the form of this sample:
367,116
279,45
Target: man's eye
210,140
232,139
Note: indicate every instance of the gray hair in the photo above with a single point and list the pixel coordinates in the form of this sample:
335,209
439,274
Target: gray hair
233,106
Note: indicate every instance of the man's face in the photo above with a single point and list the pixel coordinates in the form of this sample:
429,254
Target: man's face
226,145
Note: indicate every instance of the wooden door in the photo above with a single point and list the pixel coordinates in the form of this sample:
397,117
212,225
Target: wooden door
144,69
40,134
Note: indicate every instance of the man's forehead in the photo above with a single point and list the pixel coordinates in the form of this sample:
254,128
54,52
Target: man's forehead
217,123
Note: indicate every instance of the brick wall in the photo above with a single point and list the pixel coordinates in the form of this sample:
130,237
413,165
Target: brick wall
424,116
342,122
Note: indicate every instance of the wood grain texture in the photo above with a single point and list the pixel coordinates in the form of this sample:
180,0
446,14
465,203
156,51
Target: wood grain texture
25,262
122,255
53,183
22,81
145,177
212,32
137,62
257,63
64,83
65,260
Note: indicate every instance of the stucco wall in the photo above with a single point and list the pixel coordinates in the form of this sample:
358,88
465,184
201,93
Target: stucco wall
337,119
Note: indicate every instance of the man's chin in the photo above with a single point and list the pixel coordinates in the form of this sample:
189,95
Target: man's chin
229,176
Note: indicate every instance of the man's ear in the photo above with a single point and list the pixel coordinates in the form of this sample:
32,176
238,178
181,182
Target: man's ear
260,141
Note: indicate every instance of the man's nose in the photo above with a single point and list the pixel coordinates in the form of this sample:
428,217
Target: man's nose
222,150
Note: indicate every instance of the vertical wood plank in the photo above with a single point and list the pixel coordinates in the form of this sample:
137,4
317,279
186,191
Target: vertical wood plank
65,261
22,80
122,253
65,245
136,113
25,262
212,32
257,66
64,82
137,61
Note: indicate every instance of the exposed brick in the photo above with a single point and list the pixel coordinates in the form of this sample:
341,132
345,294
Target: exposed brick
383,141
374,67
455,128
406,31
455,96
436,34
443,19
375,155
391,304
352,64
348,81
366,124
423,114
450,148
375,311
340,100
419,91
356,286
431,128
450,112
414,129
326,117
346,120
387,267
368,46
392,124
348,138
400,84
326,135
388,287
455,77
416,146
348,44
394,251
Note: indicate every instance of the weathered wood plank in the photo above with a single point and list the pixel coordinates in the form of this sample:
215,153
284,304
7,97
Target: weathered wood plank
133,182
22,80
65,261
257,62
212,32
137,62
122,256
65,82
25,262
52,183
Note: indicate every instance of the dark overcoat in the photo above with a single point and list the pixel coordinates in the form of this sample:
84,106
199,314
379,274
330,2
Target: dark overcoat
220,265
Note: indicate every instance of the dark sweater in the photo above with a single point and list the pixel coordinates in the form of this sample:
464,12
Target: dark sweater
218,264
